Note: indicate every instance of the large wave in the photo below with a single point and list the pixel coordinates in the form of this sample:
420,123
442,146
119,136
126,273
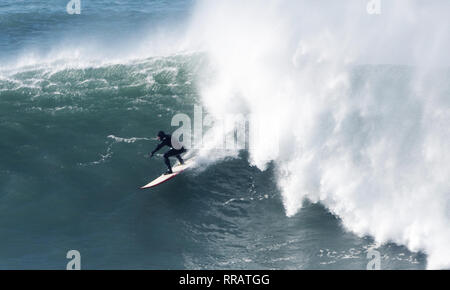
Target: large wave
369,141
357,104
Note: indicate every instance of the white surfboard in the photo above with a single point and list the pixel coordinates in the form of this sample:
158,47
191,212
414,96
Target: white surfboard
177,169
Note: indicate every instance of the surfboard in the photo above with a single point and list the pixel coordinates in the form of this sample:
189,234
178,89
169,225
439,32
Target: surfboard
177,169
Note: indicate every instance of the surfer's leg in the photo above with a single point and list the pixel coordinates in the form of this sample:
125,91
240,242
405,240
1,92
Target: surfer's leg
176,153
182,150
167,161
166,158
180,159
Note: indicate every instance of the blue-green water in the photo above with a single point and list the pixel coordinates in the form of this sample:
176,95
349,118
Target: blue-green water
80,102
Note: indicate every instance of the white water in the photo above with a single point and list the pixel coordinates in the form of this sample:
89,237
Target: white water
371,144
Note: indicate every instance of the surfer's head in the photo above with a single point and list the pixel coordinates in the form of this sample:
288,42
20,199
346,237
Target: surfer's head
161,135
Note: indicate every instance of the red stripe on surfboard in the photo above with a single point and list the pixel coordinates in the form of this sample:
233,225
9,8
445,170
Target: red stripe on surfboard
162,181
176,173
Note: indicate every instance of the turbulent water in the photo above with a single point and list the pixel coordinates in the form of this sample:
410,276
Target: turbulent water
357,106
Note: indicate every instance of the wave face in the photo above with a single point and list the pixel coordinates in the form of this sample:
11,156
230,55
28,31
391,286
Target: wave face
369,141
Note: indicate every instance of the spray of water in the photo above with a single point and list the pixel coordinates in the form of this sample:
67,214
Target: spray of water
357,102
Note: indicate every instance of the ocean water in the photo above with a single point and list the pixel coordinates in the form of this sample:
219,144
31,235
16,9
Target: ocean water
359,103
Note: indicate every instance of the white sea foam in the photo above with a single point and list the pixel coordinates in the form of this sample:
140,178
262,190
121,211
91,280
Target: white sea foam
370,143
128,140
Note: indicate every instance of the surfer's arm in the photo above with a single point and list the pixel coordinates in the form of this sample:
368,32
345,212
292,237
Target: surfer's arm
160,145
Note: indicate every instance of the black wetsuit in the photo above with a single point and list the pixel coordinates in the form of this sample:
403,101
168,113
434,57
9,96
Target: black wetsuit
167,141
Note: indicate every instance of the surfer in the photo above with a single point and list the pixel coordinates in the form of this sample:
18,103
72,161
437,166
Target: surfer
166,140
